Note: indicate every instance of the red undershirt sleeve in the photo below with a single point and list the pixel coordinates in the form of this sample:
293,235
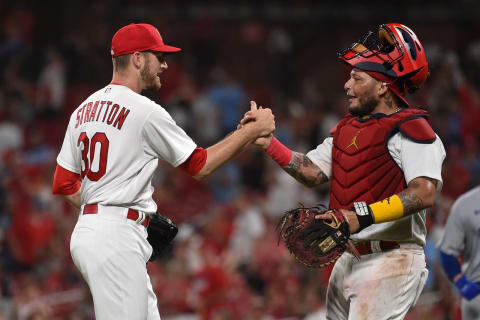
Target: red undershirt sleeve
195,162
279,152
65,182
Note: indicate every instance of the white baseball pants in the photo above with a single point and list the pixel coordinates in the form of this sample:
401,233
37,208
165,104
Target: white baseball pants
381,285
111,252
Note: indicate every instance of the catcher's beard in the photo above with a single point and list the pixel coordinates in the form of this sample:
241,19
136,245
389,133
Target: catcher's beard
148,77
367,105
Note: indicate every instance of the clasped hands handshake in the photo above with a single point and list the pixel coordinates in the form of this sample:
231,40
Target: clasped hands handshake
262,121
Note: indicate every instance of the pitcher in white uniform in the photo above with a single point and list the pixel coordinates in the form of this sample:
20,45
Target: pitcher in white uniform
111,149
383,161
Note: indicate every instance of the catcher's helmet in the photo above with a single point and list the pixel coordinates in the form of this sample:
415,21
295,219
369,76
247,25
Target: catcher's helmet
395,52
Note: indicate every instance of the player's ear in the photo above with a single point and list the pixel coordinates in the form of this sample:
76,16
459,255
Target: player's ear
382,89
137,60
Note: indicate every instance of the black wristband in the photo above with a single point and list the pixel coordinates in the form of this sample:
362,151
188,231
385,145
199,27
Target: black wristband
364,214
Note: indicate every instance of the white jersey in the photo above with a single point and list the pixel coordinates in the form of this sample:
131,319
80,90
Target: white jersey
415,160
114,140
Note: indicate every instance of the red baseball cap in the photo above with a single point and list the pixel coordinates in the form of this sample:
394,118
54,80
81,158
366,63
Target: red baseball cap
139,37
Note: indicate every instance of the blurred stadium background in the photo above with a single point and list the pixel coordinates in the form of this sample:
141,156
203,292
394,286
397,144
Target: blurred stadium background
225,263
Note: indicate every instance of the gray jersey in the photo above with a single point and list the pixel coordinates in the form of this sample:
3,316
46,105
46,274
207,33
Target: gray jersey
462,232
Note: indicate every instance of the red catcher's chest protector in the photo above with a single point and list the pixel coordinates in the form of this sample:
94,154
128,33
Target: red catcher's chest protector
362,167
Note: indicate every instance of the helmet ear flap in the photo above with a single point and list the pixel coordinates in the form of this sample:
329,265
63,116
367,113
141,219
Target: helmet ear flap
414,80
411,87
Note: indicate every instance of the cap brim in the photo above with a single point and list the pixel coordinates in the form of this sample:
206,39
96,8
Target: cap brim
166,49
368,64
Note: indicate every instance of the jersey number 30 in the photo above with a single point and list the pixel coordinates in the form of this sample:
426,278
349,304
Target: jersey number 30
89,147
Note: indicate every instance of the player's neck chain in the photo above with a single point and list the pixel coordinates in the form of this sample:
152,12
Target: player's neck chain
396,110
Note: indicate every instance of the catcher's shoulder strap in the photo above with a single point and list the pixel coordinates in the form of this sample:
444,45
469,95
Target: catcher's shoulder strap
417,129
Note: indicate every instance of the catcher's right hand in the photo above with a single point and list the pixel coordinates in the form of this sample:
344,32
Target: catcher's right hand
350,216
315,242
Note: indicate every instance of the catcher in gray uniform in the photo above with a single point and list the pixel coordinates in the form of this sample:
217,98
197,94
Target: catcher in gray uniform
462,235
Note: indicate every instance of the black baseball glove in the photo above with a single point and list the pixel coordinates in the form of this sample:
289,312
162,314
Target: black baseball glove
161,231
315,243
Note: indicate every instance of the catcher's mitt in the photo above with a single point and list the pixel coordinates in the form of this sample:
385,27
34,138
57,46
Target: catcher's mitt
161,231
314,242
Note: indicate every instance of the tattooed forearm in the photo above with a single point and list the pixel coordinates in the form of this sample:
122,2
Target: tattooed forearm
305,171
419,194
411,202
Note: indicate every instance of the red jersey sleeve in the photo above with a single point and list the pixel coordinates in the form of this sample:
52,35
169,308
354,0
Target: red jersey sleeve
65,182
195,162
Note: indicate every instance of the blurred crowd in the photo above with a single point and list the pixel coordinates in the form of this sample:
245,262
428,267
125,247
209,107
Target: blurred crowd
225,262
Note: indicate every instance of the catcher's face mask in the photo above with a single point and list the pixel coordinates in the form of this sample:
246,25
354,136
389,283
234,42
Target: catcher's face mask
394,51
